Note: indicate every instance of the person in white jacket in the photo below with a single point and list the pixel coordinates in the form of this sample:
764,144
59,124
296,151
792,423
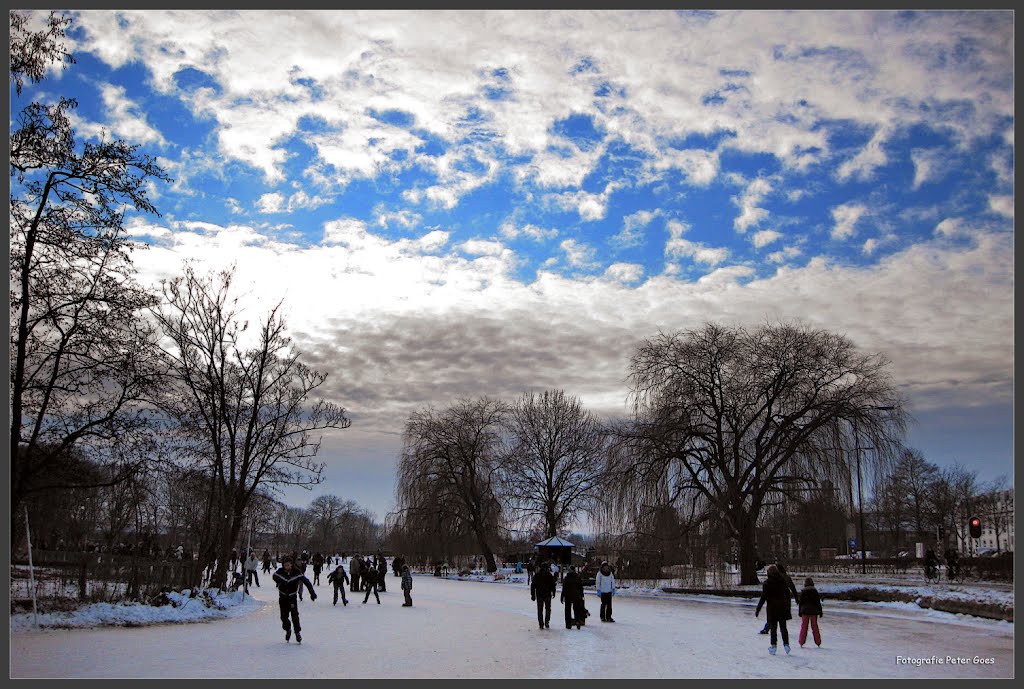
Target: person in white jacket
605,583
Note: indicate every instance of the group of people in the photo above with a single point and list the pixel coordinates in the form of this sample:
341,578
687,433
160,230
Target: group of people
368,574
777,590
543,588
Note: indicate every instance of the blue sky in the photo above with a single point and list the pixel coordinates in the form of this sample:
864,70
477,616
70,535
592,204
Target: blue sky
468,203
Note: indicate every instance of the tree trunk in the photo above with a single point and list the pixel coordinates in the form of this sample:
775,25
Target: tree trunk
748,550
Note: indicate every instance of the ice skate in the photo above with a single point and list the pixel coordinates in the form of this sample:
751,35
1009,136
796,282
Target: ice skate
786,646
771,650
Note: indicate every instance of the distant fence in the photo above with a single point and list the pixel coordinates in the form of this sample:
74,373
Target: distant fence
61,577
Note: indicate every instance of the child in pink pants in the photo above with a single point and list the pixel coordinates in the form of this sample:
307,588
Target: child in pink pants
810,611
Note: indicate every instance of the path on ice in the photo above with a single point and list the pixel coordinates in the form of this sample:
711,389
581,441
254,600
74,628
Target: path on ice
475,629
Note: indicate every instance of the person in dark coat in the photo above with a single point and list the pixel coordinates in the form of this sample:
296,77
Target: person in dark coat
266,561
407,586
382,573
789,583
338,578
542,590
810,611
572,597
370,584
776,594
355,569
288,581
318,566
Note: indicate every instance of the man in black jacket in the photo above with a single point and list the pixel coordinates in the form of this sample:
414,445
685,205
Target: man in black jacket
288,581
542,590
339,579
370,582
572,597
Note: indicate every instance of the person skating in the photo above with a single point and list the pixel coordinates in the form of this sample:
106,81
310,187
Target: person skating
300,567
382,573
776,594
251,567
572,597
810,611
338,578
355,570
789,584
318,566
605,584
289,581
370,584
542,590
266,561
407,586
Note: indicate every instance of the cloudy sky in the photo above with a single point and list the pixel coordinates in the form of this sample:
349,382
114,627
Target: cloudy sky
483,203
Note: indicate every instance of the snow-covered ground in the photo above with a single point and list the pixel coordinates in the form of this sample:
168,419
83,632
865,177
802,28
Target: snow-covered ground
489,630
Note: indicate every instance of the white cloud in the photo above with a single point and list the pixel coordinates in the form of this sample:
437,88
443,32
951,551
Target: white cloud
511,231
845,217
790,252
1001,204
404,218
869,246
698,165
677,247
624,272
270,203
765,237
872,156
590,206
578,254
929,166
125,119
234,206
949,227
750,213
301,199
632,226
481,247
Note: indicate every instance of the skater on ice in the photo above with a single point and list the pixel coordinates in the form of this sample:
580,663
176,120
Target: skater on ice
776,593
338,578
407,586
810,611
605,585
288,581
542,590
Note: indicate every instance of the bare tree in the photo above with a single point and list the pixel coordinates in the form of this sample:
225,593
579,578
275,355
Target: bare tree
83,362
915,478
449,469
995,510
555,464
949,497
742,419
245,408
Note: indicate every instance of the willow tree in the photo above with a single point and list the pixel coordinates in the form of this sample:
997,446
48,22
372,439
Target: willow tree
450,469
740,420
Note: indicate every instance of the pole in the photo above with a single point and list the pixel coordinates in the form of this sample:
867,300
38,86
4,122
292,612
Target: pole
860,501
31,572
245,573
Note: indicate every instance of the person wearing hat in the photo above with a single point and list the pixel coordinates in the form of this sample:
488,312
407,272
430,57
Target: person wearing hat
339,579
605,584
572,597
288,581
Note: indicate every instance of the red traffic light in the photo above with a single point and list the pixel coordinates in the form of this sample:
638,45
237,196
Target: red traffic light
975,525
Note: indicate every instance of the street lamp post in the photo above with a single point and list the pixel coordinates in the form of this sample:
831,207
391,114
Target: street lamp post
860,493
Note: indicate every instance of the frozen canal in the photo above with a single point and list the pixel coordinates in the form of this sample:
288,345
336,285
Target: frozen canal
474,629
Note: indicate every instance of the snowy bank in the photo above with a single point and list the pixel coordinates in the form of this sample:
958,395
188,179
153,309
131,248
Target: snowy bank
207,605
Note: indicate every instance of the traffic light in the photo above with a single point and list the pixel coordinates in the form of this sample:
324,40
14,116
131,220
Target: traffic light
975,525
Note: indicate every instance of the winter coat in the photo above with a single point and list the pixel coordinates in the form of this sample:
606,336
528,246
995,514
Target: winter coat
288,584
338,577
543,585
572,588
354,566
776,594
370,577
605,583
252,564
407,580
810,602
